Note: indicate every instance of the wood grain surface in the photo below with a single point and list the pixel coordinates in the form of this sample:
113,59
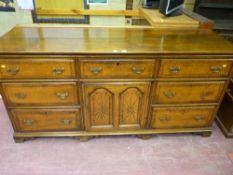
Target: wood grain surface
51,40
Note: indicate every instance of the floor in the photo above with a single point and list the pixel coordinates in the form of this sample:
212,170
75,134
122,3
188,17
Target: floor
182,154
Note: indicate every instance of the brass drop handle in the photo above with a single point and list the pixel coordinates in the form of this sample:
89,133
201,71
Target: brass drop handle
199,118
66,121
12,70
21,95
28,122
138,70
58,70
96,70
62,95
203,95
170,94
164,119
174,69
216,69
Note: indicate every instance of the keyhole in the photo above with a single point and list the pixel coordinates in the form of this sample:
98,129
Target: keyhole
117,63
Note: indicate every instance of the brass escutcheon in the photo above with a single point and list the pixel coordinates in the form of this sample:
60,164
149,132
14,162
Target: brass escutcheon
164,119
170,94
21,95
96,70
58,70
138,70
216,69
174,69
66,121
62,95
12,70
199,118
28,122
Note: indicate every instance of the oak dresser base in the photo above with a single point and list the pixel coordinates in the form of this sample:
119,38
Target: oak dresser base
20,137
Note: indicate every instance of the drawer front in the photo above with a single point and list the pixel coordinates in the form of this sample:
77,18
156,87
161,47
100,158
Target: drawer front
181,117
117,69
40,94
39,120
194,68
188,92
38,68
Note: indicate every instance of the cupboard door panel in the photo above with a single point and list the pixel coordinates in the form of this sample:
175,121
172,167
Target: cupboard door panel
101,108
116,105
131,100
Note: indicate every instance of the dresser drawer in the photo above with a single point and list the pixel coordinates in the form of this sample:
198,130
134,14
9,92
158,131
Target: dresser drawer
188,92
40,93
181,117
194,68
38,120
37,68
117,69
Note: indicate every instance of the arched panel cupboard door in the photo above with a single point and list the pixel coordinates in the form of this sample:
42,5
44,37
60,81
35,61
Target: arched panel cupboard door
115,105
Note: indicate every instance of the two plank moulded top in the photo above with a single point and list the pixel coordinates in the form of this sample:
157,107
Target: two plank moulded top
82,40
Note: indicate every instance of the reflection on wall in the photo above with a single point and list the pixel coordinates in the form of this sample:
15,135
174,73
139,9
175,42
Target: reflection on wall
23,17
59,5
7,5
100,2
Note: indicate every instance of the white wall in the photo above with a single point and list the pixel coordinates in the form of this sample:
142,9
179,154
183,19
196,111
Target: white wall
105,20
9,19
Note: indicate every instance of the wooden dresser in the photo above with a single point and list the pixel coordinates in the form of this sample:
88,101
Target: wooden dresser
84,82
